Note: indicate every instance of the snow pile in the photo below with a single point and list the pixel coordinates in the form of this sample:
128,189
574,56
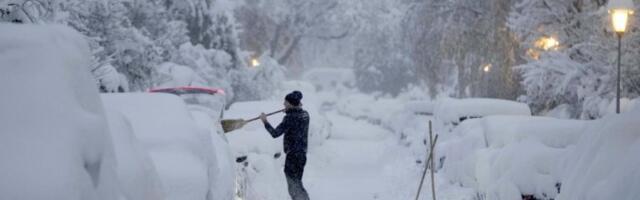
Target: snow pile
604,163
180,150
504,157
54,142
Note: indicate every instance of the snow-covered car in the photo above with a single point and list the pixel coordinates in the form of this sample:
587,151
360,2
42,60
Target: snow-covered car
507,157
424,107
449,112
137,174
184,153
210,98
206,106
54,139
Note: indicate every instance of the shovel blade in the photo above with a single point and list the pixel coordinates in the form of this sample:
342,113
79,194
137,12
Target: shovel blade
229,125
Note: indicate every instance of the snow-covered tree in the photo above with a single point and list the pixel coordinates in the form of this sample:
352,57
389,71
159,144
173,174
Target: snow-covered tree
580,69
278,27
452,42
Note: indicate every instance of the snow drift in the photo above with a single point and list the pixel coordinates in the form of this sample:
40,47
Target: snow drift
54,141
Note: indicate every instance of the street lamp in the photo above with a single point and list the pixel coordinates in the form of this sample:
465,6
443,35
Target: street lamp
620,11
486,69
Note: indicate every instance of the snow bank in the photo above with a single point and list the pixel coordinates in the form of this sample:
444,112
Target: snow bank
604,164
54,142
181,152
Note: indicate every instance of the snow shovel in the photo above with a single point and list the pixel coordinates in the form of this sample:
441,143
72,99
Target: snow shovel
229,125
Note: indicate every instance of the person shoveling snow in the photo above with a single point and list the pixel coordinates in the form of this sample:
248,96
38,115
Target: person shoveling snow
295,128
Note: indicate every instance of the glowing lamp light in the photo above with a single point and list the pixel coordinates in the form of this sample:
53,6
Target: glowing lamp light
620,18
547,43
550,43
255,62
487,68
620,11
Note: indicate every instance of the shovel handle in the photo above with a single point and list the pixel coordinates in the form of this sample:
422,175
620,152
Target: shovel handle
256,118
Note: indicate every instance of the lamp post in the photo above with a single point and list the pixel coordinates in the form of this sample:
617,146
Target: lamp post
620,11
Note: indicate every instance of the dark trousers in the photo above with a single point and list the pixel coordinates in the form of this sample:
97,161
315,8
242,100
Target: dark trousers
293,169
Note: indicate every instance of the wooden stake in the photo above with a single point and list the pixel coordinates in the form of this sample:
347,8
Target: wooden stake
433,145
428,162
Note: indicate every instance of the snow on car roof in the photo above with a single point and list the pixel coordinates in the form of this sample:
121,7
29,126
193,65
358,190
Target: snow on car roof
451,110
188,90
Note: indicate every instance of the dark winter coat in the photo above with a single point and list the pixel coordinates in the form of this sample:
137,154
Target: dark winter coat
295,127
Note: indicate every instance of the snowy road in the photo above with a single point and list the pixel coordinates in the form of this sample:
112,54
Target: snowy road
360,161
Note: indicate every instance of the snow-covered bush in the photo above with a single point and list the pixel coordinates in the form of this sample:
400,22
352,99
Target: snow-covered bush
55,141
110,80
259,82
174,75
